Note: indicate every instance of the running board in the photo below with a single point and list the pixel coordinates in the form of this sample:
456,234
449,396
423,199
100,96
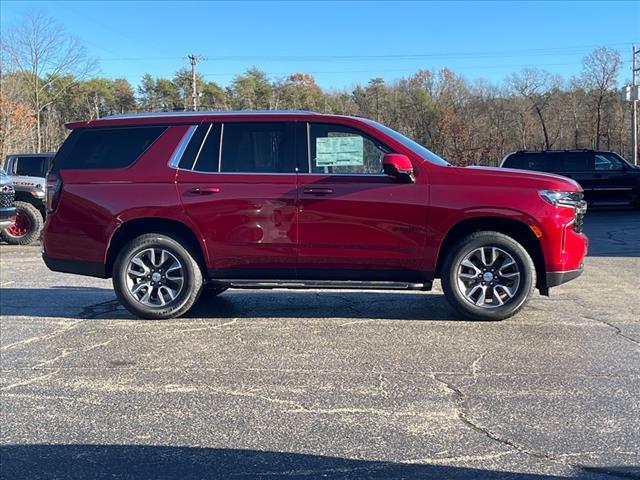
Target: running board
315,284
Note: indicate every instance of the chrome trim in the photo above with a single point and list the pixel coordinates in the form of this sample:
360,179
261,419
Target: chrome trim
206,135
309,146
220,147
174,161
234,173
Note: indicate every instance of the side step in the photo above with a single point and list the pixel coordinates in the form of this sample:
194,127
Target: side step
317,284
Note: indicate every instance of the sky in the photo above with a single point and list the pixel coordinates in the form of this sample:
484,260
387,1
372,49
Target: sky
341,43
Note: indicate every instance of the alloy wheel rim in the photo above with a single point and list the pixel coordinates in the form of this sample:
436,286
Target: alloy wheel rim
20,227
488,277
154,277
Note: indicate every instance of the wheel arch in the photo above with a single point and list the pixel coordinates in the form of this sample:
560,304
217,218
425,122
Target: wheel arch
139,226
516,229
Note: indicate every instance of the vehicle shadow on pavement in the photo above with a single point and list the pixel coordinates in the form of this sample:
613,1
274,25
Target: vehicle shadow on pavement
141,462
101,304
390,305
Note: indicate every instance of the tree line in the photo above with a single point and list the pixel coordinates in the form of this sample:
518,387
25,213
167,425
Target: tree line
47,79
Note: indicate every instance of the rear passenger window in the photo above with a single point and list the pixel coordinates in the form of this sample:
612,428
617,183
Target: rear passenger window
105,147
576,162
257,148
203,151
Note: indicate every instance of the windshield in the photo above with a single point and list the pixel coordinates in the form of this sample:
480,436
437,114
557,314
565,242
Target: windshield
410,144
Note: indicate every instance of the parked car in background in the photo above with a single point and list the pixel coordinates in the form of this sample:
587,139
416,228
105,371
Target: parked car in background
7,205
605,177
167,204
29,174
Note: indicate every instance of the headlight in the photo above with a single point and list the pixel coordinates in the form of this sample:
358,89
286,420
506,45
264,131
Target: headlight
561,198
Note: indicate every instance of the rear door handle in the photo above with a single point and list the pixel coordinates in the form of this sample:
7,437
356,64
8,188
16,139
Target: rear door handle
317,191
204,190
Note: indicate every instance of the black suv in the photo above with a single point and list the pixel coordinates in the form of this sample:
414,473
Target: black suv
606,177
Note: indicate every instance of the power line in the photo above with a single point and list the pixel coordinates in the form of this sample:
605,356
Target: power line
567,50
403,70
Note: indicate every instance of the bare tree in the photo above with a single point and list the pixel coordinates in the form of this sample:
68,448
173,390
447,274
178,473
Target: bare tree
41,50
599,72
538,87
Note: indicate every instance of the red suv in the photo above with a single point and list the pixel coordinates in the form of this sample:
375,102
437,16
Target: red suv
173,204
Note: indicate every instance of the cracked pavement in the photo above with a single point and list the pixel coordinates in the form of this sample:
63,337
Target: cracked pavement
323,384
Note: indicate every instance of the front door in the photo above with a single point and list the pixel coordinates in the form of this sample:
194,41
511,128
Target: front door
237,182
355,222
614,181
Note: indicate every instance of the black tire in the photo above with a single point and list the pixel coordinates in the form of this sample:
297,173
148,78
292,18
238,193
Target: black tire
213,290
464,247
33,221
192,277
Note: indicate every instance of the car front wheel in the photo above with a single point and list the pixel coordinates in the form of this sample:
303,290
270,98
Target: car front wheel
156,277
488,276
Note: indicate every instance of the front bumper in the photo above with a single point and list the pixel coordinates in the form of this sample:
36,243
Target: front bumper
558,278
7,217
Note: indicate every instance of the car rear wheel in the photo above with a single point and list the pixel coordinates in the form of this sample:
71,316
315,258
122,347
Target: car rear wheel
488,276
155,277
27,227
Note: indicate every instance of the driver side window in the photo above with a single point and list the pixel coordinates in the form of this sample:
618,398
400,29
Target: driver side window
337,149
607,162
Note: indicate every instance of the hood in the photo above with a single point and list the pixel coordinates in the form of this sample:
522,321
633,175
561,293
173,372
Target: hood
4,178
524,178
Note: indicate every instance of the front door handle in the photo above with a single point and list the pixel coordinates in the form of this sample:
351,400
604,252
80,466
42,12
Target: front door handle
317,191
204,190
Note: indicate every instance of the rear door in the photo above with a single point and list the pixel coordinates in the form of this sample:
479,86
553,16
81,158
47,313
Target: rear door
355,222
237,182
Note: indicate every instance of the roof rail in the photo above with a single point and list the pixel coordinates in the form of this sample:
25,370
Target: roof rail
208,112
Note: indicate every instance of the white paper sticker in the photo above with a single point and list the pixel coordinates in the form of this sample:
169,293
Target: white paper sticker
339,151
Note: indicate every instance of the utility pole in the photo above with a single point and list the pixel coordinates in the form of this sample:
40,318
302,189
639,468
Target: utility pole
194,59
634,104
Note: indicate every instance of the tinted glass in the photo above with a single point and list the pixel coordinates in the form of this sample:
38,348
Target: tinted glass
607,161
32,166
189,156
203,150
105,147
576,162
257,148
336,149
542,162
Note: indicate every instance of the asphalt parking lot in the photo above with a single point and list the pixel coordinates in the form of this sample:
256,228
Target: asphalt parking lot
327,384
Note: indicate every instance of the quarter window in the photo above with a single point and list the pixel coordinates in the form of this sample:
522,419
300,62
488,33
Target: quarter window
337,149
105,147
257,148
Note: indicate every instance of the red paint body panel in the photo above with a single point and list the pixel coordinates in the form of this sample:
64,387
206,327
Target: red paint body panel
276,222
250,222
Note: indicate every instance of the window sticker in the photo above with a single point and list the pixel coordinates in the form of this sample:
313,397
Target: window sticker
339,151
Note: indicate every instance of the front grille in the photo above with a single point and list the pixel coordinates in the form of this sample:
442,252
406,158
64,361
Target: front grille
6,196
581,210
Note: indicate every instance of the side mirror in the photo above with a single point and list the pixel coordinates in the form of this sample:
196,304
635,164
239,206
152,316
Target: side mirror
398,166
